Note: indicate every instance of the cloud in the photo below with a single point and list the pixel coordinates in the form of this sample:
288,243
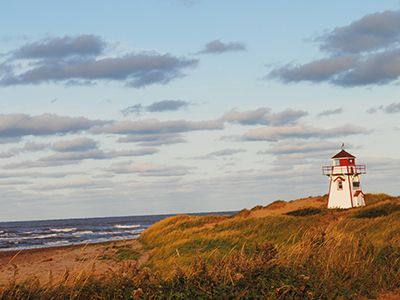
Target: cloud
136,109
97,154
82,45
17,125
68,158
301,130
166,105
160,106
263,116
366,52
218,47
316,71
75,184
79,144
371,32
330,112
28,164
153,139
296,146
77,60
154,126
29,147
389,109
223,152
39,174
392,108
148,169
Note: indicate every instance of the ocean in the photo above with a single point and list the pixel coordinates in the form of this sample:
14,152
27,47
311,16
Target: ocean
52,233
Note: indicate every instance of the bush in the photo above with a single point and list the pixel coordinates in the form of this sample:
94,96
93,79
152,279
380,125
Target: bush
377,211
303,212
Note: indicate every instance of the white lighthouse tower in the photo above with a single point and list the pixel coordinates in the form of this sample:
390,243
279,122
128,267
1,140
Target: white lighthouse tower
345,188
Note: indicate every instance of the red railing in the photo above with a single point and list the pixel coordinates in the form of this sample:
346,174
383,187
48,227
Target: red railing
359,169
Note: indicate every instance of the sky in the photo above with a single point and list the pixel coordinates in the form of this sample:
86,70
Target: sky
176,106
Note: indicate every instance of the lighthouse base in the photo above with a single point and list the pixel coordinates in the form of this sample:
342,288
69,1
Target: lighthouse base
342,193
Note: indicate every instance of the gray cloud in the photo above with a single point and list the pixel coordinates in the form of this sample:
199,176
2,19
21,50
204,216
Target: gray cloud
263,116
301,130
17,125
392,108
39,174
154,126
75,60
153,139
389,109
148,169
97,154
28,164
223,152
133,109
300,146
218,47
79,144
166,105
54,47
29,147
371,32
75,184
366,52
330,112
160,106
317,71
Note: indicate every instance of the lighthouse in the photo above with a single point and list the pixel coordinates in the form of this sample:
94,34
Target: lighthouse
345,187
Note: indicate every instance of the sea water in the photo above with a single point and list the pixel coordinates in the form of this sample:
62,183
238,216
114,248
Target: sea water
52,233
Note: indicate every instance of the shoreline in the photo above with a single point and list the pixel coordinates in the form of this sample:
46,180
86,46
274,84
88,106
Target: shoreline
57,247
51,262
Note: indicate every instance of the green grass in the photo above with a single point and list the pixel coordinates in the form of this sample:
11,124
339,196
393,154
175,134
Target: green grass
307,254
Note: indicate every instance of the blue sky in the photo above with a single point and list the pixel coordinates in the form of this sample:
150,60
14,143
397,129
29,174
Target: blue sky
173,106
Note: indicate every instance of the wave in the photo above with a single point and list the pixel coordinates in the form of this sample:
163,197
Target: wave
109,232
41,236
82,232
58,243
134,231
62,230
126,226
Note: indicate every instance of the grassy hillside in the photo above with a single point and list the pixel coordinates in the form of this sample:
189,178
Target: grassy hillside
337,253
286,250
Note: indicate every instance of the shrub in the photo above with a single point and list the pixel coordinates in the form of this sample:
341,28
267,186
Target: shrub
303,212
377,211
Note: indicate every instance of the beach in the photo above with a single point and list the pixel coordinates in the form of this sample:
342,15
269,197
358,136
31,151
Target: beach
52,262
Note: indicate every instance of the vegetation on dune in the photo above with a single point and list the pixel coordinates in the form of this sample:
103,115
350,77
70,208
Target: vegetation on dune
308,253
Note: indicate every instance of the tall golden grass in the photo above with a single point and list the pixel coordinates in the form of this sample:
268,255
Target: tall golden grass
329,254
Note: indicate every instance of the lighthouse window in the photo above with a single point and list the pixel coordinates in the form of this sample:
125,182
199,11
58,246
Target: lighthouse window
337,162
340,185
356,184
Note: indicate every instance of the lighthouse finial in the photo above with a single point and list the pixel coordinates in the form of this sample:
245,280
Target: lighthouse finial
342,146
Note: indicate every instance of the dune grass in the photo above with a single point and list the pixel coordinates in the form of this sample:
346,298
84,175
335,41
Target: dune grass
307,254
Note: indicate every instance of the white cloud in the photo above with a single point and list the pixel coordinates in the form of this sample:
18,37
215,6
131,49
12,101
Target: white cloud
301,130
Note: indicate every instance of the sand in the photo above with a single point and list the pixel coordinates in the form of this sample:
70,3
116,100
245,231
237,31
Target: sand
52,262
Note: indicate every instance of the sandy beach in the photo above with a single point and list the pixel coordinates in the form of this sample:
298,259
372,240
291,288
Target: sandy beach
52,262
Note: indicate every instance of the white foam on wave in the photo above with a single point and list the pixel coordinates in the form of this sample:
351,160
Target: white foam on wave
46,236
62,229
134,231
109,232
126,226
56,243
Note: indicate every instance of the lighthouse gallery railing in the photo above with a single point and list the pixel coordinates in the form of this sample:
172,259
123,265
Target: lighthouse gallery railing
358,169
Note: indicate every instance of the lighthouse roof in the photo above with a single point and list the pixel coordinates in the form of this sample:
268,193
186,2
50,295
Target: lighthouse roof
343,154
